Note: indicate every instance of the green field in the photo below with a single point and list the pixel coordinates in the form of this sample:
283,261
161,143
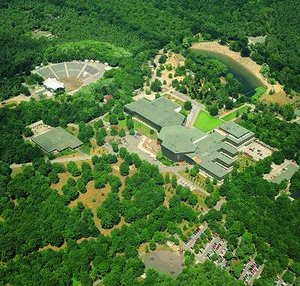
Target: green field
206,122
259,91
236,112
144,129
122,124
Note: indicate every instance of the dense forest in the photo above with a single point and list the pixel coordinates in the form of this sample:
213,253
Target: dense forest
140,26
46,241
46,236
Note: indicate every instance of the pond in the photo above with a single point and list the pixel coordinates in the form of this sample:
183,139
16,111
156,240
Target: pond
296,195
248,79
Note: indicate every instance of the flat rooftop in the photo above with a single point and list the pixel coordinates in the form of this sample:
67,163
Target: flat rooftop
234,129
160,111
212,158
180,139
56,139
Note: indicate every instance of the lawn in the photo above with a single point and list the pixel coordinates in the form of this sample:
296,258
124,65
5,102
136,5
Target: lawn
206,122
144,129
235,113
122,124
259,92
85,148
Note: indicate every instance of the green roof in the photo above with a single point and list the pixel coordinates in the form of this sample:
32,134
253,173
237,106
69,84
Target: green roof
56,139
209,144
179,139
233,151
209,156
214,168
287,174
234,129
160,111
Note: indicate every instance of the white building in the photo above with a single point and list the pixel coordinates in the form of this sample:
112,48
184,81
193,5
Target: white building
52,84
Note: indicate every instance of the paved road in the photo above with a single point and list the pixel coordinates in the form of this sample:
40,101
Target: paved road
57,160
192,116
187,183
132,144
192,242
185,97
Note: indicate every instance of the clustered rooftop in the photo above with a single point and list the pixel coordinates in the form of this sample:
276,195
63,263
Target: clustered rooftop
214,152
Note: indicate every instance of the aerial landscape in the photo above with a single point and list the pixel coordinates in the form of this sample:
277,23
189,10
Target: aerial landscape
150,143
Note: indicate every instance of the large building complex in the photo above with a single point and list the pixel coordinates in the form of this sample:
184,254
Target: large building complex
211,152
214,152
158,113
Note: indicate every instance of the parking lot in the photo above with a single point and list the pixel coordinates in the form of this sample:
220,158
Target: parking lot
256,151
197,233
250,272
282,172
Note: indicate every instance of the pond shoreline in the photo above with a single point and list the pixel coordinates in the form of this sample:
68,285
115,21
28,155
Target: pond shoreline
246,62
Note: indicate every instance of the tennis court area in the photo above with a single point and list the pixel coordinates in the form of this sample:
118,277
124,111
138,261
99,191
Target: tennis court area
285,171
56,139
206,122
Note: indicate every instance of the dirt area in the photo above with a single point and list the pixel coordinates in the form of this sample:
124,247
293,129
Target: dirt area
257,151
63,177
84,239
279,98
142,248
15,100
16,170
39,34
49,246
175,60
151,145
93,198
168,196
97,150
164,261
108,231
248,63
71,83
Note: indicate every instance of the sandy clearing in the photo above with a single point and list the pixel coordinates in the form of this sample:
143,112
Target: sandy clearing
15,100
279,98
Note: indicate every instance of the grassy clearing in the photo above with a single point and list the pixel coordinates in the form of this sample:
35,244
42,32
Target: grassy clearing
259,92
206,122
235,113
144,129
244,161
85,148
122,124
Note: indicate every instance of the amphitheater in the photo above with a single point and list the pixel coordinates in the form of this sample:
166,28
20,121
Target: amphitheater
74,74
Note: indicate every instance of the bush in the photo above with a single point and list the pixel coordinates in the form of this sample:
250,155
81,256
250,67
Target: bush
27,132
162,59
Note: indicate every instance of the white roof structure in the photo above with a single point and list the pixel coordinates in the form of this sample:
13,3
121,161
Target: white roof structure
53,84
